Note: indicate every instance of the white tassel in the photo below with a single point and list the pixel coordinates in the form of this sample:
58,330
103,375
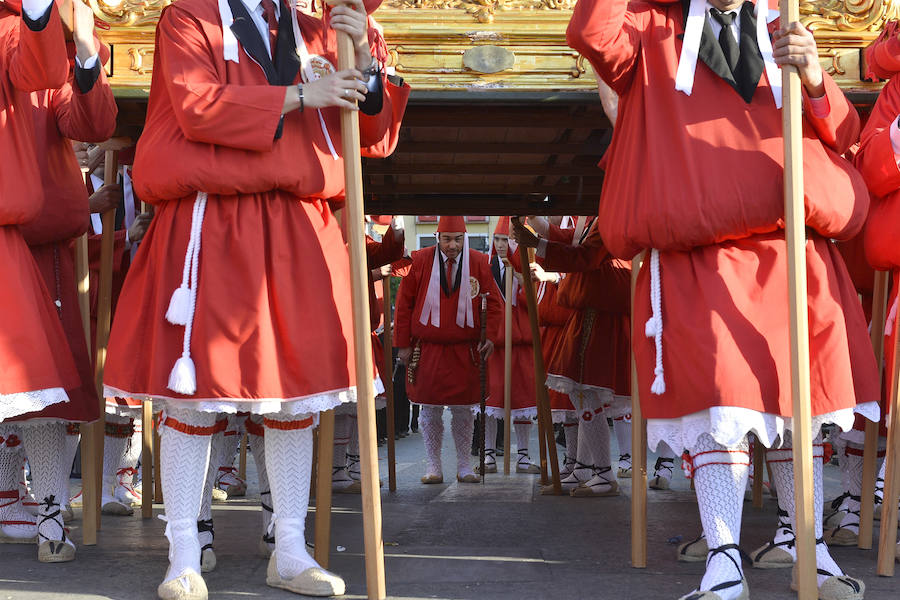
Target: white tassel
654,326
179,306
183,378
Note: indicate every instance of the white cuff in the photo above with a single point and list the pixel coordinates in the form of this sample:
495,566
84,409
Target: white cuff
397,223
895,140
541,248
89,63
35,9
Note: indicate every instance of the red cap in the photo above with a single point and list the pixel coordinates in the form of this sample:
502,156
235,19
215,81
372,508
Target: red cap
451,225
502,227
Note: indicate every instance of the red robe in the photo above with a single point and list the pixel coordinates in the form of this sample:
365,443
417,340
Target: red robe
522,395
719,230
447,372
593,350
273,317
59,116
31,335
553,318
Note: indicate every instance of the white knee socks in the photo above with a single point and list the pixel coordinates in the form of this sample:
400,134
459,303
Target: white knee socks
461,424
15,521
44,445
431,423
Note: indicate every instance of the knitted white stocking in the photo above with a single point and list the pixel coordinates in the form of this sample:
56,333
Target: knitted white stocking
584,459
15,522
595,438
461,423
289,448
664,467
852,461
127,473
523,432
431,423
570,430
720,476
118,433
44,445
490,441
227,478
257,443
73,437
205,531
781,461
184,463
879,485
622,429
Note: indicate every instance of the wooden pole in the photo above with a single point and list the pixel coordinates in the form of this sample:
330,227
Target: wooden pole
507,368
795,233
887,543
324,461
545,418
870,450
759,457
638,450
242,458
89,431
371,493
147,471
388,380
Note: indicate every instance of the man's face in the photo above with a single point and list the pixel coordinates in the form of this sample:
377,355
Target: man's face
501,245
451,243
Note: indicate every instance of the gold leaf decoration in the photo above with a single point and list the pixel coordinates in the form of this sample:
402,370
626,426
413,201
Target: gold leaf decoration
848,15
129,12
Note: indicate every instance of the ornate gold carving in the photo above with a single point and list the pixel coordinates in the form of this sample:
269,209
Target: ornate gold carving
484,10
129,12
137,59
848,15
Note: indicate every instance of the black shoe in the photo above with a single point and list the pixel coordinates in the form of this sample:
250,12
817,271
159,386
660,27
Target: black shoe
414,430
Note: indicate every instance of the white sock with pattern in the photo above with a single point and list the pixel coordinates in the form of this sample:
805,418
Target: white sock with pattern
44,445
15,521
73,437
523,433
462,422
431,423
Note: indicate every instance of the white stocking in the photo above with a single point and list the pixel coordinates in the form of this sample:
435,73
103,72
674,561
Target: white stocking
782,464
257,443
879,483
665,462
720,476
490,440
523,432
461,423
206,534
14,519
622,429
44,445
118,433
570,429
289,448
852,461
184,462
594,438
73,436
341,439
431,422
227,475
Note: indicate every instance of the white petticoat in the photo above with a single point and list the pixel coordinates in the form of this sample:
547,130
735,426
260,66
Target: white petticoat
20,403
613,405
499,413
729,424
303,405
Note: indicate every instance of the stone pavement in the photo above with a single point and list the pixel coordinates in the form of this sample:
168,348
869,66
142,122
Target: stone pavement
501,540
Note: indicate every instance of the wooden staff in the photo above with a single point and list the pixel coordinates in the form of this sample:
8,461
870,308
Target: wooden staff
242,458
795,234
870,450
371,495
148,473
482,372
638,449
887,543
759,457
324,462
507,368
545,418
388,381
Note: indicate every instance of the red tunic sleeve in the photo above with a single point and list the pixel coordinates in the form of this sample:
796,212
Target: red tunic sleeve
839,129
36,60
608,34
85,117
566,258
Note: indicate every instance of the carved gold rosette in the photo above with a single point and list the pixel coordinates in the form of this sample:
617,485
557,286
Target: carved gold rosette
436,44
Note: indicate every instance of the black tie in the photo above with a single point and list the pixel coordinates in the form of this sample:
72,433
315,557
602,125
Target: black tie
726,38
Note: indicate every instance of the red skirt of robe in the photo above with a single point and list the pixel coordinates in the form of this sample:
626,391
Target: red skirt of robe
273,318
551,338
592,352
522,397
725,330
447,375
34,354
59,278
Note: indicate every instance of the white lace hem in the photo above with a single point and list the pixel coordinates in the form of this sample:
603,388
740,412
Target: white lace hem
499,413
729,424
561,416
311,404
20,403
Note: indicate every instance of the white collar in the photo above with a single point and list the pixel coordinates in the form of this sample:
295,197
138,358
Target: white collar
252,5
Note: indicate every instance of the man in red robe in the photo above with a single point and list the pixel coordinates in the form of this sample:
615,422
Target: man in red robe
879,160
438,325
35,372
83,109
523,404
694,177
241,156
